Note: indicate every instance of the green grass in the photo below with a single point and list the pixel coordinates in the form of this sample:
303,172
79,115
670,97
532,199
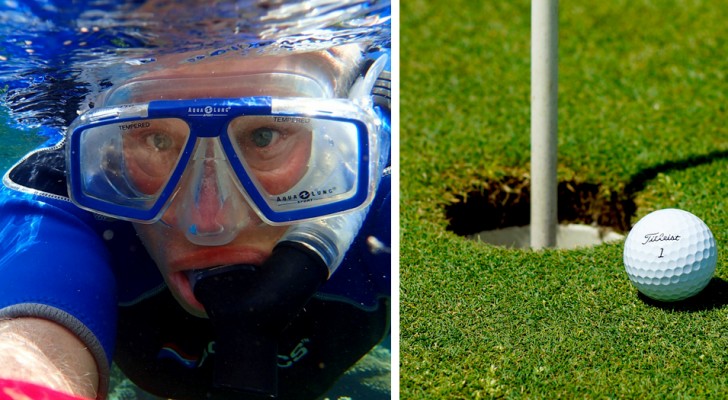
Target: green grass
642,104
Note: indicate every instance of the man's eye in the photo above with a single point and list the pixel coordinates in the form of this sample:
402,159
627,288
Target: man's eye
263,137
159,141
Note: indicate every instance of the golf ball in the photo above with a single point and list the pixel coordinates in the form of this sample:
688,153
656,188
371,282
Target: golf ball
670,255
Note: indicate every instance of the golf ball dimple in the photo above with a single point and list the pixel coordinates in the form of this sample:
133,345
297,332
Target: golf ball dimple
670,255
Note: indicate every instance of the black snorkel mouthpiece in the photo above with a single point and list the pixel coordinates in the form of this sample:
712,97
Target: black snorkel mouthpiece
249,307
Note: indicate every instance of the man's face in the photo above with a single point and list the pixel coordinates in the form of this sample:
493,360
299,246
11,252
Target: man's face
279,159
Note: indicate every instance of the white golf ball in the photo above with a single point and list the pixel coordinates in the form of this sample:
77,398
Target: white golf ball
670,255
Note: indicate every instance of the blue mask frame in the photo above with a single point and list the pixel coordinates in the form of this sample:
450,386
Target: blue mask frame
209,118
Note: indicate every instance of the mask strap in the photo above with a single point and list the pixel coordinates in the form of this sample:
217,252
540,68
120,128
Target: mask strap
362,88
382,91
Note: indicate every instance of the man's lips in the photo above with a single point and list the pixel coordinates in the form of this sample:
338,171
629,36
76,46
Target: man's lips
207,257
181,282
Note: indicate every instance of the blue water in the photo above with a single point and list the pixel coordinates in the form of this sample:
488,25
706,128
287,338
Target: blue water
56,54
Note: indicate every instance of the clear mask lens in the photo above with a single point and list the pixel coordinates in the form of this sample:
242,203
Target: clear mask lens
295,162
130,163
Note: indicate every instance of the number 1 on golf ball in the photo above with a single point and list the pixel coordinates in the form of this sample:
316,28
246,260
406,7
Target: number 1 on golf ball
670,255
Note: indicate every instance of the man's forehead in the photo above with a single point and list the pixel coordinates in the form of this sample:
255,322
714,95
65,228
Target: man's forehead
315,74
217,86
331,61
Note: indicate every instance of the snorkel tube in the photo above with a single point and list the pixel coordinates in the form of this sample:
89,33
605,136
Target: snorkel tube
267,298
248,324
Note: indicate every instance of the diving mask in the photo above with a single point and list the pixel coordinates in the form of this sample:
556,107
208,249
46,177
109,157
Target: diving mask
291,159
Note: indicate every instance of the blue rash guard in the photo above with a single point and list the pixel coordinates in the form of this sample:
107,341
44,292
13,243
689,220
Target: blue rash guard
92,275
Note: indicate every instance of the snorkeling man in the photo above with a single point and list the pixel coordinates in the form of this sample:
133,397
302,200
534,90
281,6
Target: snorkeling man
219,229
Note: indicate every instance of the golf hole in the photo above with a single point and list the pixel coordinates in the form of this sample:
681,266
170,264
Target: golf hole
498,213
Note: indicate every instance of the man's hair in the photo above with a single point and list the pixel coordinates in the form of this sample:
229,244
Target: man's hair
347,61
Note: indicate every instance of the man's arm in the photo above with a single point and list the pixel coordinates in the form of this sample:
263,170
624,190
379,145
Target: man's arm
45,353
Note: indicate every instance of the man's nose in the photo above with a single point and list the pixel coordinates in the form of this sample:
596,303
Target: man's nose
209,201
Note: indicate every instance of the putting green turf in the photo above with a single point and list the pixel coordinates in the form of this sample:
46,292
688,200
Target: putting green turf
642,112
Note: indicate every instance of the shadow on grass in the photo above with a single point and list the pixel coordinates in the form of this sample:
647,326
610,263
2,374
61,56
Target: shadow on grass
715,295
638,181
506,201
